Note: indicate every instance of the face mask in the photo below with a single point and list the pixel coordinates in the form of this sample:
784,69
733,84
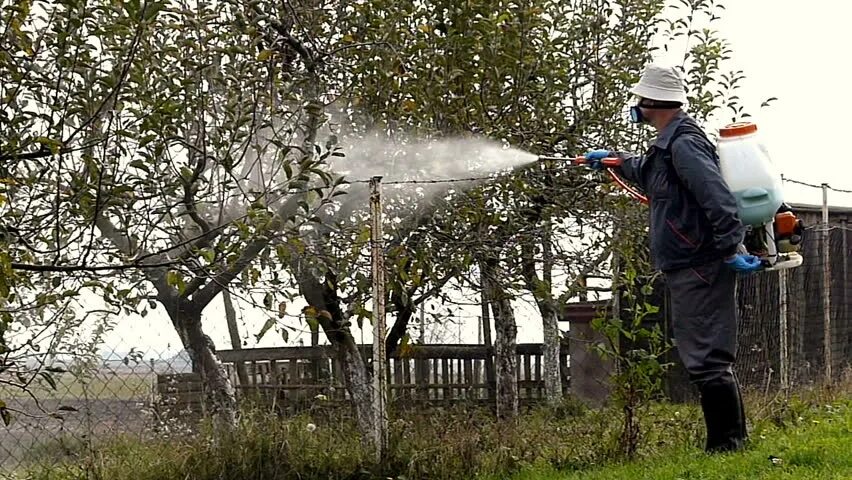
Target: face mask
636,114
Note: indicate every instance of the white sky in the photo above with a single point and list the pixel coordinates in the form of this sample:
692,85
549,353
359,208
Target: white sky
798,52
788,49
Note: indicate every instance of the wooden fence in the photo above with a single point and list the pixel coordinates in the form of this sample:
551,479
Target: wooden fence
423,373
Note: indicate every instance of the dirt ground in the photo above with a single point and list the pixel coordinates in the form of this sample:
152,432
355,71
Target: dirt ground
29,439
109,405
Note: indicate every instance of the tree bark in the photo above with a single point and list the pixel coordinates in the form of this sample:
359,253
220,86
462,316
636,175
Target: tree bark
550,352
234,333
357,381
214,376
505,345
542,292
404,312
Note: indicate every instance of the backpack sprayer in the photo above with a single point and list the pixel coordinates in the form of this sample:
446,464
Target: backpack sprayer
773,232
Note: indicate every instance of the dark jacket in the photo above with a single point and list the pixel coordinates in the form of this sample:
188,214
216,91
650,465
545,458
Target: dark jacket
693,214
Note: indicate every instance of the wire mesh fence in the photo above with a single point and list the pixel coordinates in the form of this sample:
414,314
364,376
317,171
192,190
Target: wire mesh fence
68,416
786,334
782,343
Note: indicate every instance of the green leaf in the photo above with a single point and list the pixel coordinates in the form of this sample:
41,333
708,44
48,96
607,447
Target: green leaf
54,145
270,322
49,379
175,279
208,254
264,55
140,165
5,414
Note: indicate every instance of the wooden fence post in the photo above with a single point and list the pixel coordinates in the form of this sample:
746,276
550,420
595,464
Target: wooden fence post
380,418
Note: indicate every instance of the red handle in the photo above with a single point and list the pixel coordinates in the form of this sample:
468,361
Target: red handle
616,162
606,162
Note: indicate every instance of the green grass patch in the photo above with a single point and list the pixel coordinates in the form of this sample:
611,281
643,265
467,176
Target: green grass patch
812,437
816,447
105,385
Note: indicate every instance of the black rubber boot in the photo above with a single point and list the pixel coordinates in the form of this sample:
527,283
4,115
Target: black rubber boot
744,427
724,415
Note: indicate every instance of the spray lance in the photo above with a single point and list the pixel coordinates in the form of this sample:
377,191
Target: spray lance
773,232
609,164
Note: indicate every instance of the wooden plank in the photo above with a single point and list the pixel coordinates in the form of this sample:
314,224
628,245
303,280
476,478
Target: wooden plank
293,386
275,353
178,377
337,379
293,372
528,373
421,378
532,384
436,393
445,378
273,372
181,397
253,373
406,378
468,378
320,351
180,387
452,375
180,382
538,368
477,378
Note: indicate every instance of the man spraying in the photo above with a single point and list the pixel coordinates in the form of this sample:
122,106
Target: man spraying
695,235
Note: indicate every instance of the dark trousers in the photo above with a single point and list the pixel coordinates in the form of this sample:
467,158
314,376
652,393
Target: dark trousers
704,321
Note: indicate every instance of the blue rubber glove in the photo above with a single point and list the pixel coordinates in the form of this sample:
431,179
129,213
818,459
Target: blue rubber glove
744,263
594,157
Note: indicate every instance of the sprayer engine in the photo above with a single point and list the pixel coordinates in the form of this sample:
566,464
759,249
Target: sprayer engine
776,243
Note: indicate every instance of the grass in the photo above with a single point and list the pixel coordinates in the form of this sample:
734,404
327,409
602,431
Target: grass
817,448
105,385
811,434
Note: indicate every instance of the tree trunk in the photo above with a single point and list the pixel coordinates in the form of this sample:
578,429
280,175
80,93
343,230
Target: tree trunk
505,345
404,312
323,296
550,353
542,292
550,322
213,373
358,383
234,333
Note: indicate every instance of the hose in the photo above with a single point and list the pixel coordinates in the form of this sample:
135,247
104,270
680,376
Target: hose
609,164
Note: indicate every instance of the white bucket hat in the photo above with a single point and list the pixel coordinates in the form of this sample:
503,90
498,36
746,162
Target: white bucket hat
661,83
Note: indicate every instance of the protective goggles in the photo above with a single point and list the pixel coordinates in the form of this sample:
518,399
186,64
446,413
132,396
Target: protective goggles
636,112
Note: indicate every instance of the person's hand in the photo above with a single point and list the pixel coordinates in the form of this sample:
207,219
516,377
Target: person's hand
744,263
594,158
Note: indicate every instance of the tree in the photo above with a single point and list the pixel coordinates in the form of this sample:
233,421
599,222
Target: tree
546,76
181,162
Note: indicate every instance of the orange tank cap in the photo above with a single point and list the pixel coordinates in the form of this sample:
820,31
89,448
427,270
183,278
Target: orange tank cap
737,129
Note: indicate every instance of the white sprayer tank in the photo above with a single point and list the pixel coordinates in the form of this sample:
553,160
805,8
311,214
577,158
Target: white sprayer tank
749,173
